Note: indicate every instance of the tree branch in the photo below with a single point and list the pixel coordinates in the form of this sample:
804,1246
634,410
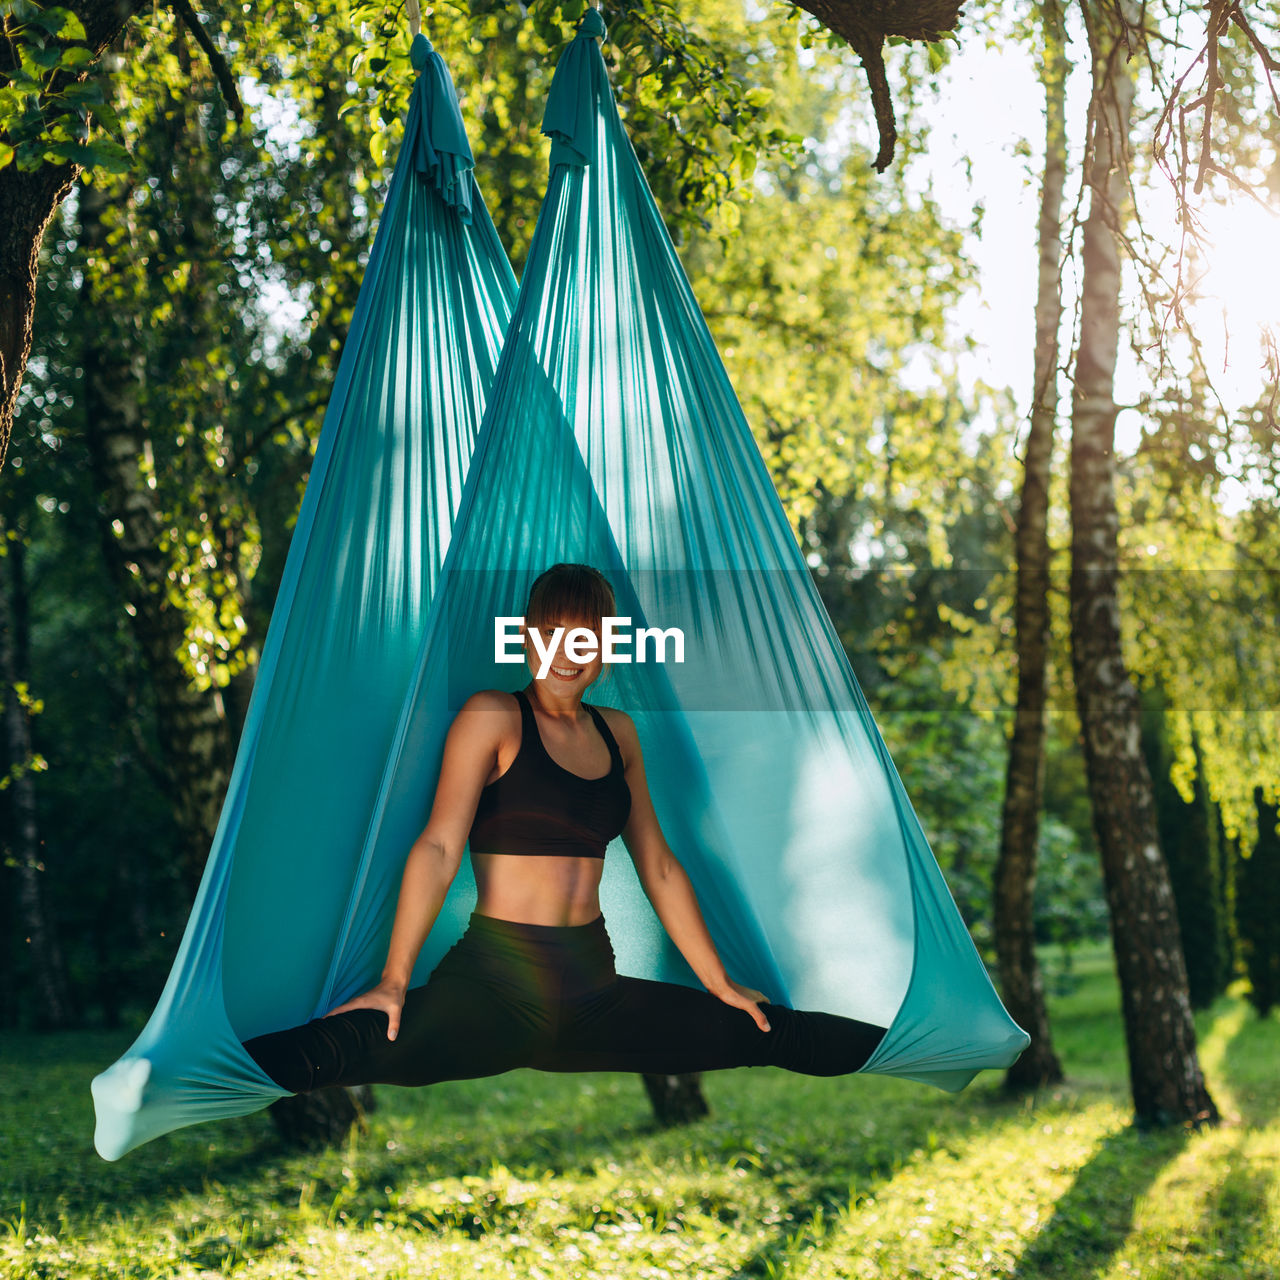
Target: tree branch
217,63
865,24
265,433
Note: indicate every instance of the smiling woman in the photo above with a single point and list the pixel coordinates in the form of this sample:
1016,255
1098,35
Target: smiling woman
537,790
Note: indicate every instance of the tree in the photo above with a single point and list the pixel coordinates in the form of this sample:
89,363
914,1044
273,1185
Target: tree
1188,837
30,192
1164,1069
167,258
673,74
196,737
1015,878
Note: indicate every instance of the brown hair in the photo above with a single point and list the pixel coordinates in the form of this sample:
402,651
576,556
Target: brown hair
570,592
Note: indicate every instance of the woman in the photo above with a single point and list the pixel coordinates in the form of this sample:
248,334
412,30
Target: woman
538,783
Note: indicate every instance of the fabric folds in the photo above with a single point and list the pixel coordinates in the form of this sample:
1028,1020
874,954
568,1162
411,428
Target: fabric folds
611,436
768,772
435,135
282,880
570,118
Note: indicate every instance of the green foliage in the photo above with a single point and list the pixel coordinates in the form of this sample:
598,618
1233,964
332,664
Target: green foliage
190,256
216,227
108,846
47,114
1258,909
817,337
175,296
694,87
952,764
1188,838
1070,908
223,283
953,769
35,762
1199,506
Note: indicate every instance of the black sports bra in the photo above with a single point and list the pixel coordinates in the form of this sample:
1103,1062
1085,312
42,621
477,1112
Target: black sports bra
539,807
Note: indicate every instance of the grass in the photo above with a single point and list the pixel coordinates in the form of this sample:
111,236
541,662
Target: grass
539,1176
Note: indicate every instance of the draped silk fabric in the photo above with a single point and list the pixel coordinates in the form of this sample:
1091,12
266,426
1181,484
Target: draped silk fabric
394,451
611,436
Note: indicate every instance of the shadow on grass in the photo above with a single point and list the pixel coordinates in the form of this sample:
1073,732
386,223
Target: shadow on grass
531,1125
1235,1228
910,1132
1093,1218
1248,1069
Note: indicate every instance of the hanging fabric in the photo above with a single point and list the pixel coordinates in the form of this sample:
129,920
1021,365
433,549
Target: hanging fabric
376,518
613,437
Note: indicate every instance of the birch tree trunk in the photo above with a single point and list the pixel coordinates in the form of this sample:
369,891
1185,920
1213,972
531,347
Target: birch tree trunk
1164,1069
1021,983
195,735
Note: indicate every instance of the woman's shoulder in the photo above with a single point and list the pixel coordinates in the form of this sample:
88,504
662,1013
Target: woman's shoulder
623,729
490,704
491,700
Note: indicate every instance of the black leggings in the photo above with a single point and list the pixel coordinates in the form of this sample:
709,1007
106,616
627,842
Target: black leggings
521,995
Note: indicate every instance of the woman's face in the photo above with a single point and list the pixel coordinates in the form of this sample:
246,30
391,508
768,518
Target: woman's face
568,667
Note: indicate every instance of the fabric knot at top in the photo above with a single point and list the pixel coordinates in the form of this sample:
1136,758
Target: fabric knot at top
580,85
419,51
434,133
592,24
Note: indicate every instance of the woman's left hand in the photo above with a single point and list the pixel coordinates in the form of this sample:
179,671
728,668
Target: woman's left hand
746,998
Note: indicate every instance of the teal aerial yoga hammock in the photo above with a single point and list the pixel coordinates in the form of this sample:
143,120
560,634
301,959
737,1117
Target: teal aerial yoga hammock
394,450
611,437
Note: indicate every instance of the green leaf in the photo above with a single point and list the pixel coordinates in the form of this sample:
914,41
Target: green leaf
110,155
76,56
72,28
69,153
45,58
62,22
103,153
105,114
6,154
20,78
83,92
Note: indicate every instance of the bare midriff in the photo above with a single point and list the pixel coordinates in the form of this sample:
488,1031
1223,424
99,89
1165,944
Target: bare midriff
544,889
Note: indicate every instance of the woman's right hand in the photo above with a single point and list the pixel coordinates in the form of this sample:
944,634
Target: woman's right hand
387,997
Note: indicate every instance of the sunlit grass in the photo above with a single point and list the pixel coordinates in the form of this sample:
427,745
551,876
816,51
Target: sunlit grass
535,1175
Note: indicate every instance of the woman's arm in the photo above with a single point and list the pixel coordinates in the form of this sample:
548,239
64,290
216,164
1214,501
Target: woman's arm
470,750
667,885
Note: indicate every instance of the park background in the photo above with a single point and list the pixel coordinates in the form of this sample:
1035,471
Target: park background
880,332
